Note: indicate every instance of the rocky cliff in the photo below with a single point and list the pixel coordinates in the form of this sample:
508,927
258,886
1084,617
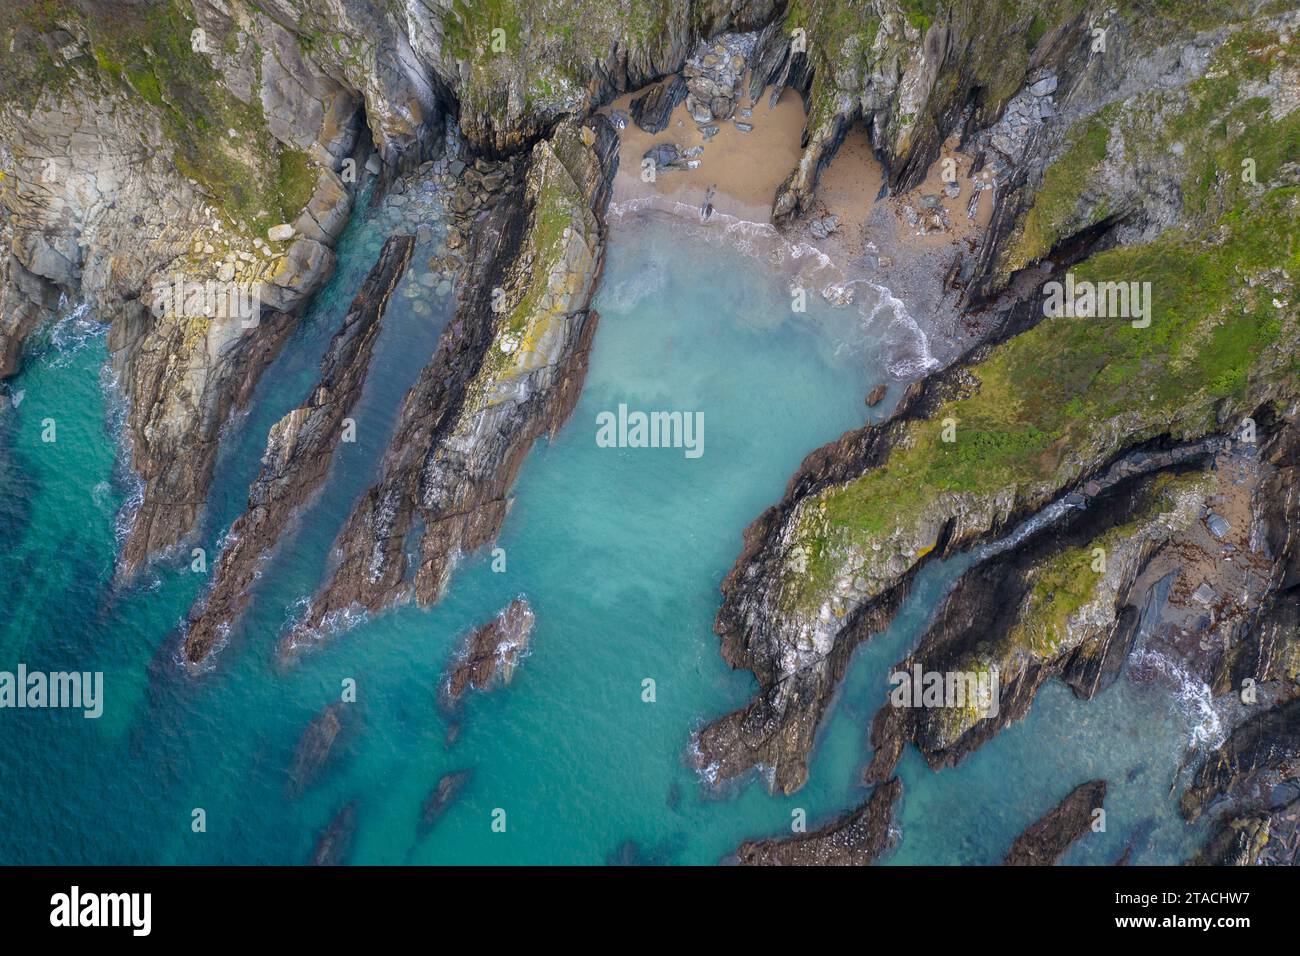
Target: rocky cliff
1037,414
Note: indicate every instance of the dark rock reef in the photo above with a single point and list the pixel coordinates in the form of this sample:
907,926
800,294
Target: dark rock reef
315,748
491,652
508,369
1046,840
334,846
440,799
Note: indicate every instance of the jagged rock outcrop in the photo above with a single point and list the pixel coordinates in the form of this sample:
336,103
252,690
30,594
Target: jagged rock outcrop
913,78
334,846
516,73
968,455
855,839
1058,605
508,369
1266,837
490,653
142,174
1266,646
652,109
1046,840
315,748
1260,752
298,453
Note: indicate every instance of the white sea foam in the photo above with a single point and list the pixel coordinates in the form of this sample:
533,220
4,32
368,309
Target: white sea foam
1194,698
73,332
809,267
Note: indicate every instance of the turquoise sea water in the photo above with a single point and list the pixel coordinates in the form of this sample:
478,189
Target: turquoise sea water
620,552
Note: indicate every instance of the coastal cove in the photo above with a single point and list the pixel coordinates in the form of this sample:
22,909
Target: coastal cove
586,770
357,504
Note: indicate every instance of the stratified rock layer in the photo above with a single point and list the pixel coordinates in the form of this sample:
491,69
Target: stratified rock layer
508,369
299,449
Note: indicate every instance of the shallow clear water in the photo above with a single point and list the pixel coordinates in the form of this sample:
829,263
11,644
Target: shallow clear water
620,551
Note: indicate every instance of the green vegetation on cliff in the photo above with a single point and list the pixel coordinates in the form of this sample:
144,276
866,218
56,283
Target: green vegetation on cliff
546,48
1070,581
147,53
1203,133
1055,402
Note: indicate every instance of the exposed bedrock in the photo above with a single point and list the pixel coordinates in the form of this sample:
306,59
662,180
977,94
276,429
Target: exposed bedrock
856,839
1032,417
1260,753
1254,838
555,59
1154,554
507,370
490,652
145,172
1062,604
298,452
1046,840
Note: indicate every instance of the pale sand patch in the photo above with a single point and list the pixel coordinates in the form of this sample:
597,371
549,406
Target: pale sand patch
848,187
745,168
962,227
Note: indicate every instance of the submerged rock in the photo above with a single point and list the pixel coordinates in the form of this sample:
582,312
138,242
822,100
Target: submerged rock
315,747
441,798
1045,842
334,846
491,652
877,395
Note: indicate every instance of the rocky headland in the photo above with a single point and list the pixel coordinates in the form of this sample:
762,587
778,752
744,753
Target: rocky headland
1044,407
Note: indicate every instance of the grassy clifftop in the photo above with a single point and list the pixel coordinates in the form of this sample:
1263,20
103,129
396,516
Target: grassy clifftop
1056,402
1203,133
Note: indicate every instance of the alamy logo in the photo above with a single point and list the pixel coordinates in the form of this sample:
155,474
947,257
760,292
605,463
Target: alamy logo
36,689
74,909
209,298
1098,300
977,690
651,430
